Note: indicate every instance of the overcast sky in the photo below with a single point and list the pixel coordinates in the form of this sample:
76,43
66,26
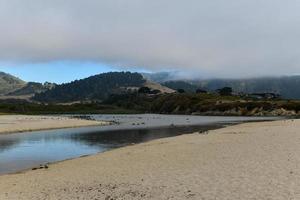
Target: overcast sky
209,38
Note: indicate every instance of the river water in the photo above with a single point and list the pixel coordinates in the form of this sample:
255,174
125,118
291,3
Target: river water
22,151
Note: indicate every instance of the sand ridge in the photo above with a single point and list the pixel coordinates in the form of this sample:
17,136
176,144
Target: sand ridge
248,161
23,123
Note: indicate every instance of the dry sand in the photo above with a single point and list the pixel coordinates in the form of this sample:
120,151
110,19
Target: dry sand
22,123
249,161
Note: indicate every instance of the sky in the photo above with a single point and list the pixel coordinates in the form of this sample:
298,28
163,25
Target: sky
62,40
55,72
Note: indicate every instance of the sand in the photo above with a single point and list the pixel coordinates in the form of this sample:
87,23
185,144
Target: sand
23,123
248,161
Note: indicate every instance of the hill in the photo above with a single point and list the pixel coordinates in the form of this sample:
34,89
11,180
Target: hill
96,87
287,86
160,77
32,88
157,86
186,86
9,83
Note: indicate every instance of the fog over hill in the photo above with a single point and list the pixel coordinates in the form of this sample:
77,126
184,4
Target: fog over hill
286,86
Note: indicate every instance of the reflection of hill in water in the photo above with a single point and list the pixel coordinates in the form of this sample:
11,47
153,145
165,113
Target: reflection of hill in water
6,144
106,139
125,137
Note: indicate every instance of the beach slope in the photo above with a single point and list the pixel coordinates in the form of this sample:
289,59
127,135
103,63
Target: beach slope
248,161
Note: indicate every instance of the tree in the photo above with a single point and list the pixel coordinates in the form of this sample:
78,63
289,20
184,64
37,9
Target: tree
144,90
155,91
180,91
225,91
200,91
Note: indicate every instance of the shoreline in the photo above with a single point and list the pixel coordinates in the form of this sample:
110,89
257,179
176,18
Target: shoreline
10,124
207,129
237,161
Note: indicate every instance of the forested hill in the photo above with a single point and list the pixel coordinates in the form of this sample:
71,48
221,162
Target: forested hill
94,87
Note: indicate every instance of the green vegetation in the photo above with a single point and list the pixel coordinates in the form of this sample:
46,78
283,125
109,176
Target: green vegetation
185,103
78,108
204,104
225,91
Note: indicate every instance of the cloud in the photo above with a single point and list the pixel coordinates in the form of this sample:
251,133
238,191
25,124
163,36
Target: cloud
218,38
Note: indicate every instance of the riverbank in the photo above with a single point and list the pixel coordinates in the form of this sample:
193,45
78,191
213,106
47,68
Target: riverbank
247,161
24,123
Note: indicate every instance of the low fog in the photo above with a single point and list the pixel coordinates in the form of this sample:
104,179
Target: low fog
220,38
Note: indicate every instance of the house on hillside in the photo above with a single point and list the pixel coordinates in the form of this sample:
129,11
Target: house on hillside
267,95
201,91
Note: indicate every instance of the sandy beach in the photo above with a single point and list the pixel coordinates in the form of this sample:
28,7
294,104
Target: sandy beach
248,161
23,123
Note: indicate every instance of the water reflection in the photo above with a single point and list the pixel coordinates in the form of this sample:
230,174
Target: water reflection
7,144
120,138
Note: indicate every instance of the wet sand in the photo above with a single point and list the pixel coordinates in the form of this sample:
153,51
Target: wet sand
247,161
24,123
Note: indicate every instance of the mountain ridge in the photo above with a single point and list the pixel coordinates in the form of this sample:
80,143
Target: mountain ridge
32,88
9,83
286,86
